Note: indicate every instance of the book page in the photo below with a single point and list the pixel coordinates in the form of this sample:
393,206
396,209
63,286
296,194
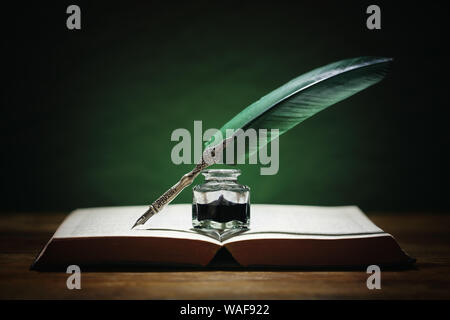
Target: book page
344,220
290,221
173,222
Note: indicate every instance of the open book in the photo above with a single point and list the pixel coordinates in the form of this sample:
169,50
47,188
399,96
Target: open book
279,235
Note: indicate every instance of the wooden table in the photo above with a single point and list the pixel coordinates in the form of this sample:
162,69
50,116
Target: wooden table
424,236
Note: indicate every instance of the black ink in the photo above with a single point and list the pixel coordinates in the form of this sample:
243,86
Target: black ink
222,211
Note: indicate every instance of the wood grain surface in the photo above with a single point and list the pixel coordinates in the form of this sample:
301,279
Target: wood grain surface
425,237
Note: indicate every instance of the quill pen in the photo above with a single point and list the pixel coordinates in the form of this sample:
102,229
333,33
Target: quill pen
283,109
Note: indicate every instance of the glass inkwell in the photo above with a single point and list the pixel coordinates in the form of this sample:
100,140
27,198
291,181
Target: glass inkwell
221,203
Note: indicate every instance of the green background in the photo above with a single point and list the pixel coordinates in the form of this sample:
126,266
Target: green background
88,114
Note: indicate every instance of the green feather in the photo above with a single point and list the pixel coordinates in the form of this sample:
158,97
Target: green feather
306,95
283,109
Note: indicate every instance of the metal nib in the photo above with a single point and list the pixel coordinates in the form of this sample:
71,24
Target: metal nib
143,219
